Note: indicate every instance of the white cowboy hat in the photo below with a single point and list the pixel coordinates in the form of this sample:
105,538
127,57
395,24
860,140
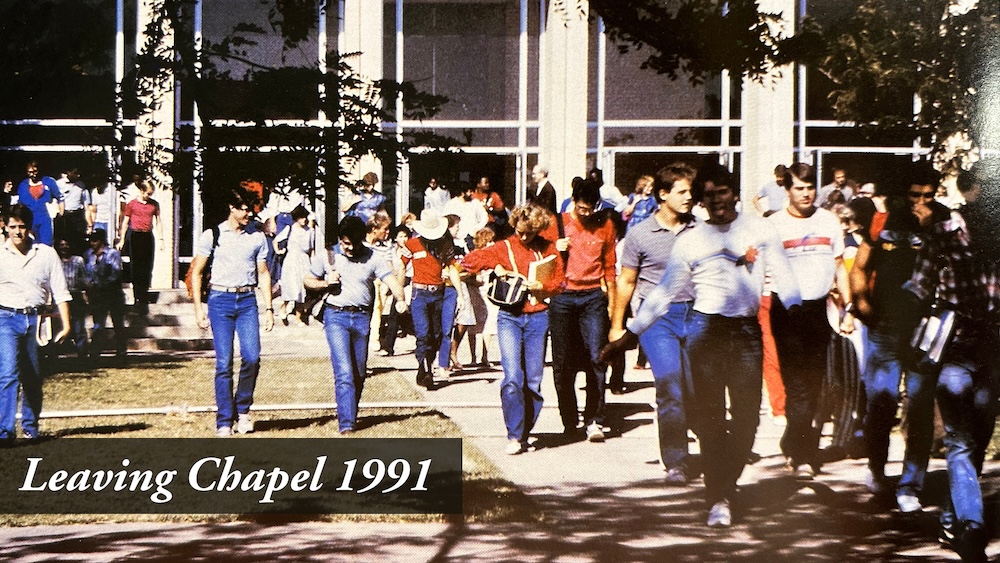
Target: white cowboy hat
431,225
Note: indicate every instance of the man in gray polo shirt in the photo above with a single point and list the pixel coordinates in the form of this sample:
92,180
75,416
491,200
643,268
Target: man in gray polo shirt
645,252
348,278
239,267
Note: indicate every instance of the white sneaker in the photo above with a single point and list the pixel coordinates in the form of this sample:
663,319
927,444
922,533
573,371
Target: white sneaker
244,425
224,431
514,447
875,485
908,503
594,433
719,516
805,472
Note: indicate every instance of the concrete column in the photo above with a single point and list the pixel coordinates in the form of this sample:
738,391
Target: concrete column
154,145
768,115
362,33
563,105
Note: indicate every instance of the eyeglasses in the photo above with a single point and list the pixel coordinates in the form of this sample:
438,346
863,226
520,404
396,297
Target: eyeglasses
922,195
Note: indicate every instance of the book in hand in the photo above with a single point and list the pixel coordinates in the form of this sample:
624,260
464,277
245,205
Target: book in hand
541,270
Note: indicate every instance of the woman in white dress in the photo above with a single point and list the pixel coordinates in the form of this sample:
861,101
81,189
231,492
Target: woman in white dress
296,242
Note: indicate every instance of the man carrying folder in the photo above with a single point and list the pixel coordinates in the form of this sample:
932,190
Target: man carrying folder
589,241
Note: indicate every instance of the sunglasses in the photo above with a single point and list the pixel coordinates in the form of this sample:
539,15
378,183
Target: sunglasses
922,195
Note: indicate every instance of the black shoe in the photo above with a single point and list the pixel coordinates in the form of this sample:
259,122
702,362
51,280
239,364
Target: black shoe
946,536
424,378
971,543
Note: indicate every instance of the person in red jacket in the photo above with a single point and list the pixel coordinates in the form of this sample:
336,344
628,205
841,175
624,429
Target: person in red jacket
521,326
433,305
589,244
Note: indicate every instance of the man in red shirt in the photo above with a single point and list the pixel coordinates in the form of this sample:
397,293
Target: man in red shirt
589,241
492,202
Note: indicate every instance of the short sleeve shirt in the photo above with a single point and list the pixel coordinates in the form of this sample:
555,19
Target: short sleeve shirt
357,277
141,214
646,249
234,262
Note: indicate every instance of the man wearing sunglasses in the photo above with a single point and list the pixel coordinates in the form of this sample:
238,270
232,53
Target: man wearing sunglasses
881,268
239,269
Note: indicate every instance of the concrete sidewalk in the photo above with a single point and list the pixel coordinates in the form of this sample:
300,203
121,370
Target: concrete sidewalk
599,502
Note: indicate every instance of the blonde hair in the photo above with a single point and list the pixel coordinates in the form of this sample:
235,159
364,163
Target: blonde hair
643,181
483,237
534,218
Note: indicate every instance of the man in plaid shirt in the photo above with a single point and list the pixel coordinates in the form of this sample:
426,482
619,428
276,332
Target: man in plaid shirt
954,271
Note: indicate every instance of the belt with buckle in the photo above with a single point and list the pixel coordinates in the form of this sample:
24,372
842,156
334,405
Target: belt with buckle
241,289
350,308
23,311
428,287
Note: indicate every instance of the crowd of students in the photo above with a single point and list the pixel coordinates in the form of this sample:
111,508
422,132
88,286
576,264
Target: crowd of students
681,267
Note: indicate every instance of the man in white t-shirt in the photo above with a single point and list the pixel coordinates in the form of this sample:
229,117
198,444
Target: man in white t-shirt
771,197
724,260
471,212
813,241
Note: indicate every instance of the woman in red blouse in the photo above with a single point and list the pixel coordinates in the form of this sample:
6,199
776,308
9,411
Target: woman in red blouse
141,216
521,328
432,304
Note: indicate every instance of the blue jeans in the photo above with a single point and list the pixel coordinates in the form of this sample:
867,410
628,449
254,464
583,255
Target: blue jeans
19,365
433,317
666,344
966,396
347,334
102,303
234,314
425,307
586,312
522,356
726,355
885,363
78,323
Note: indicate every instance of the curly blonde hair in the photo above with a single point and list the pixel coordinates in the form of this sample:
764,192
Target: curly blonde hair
535,219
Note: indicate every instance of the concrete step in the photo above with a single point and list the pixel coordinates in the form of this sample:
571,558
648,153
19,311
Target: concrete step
146,344
183,332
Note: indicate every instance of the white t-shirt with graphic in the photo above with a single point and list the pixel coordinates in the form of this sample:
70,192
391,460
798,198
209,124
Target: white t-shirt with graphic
812,245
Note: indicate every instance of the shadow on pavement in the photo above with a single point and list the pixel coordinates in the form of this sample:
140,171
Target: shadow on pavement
777,519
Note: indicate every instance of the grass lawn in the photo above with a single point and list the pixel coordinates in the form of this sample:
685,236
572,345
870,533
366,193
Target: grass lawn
158,382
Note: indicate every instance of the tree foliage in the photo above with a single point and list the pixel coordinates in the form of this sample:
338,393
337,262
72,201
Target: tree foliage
696,38
879,58
355,107
887,52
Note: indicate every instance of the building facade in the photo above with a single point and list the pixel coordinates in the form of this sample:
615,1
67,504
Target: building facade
527,84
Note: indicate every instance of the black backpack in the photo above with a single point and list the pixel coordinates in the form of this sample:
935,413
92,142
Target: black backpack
206,272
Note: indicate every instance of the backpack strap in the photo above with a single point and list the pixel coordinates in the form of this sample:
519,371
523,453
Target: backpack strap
510,254
562,234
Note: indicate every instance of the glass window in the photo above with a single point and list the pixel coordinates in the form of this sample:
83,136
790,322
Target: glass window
630,166
632,92
467,51
267,78
58,59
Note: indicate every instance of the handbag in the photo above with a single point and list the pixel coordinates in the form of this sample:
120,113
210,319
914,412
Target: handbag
933,335
508,290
